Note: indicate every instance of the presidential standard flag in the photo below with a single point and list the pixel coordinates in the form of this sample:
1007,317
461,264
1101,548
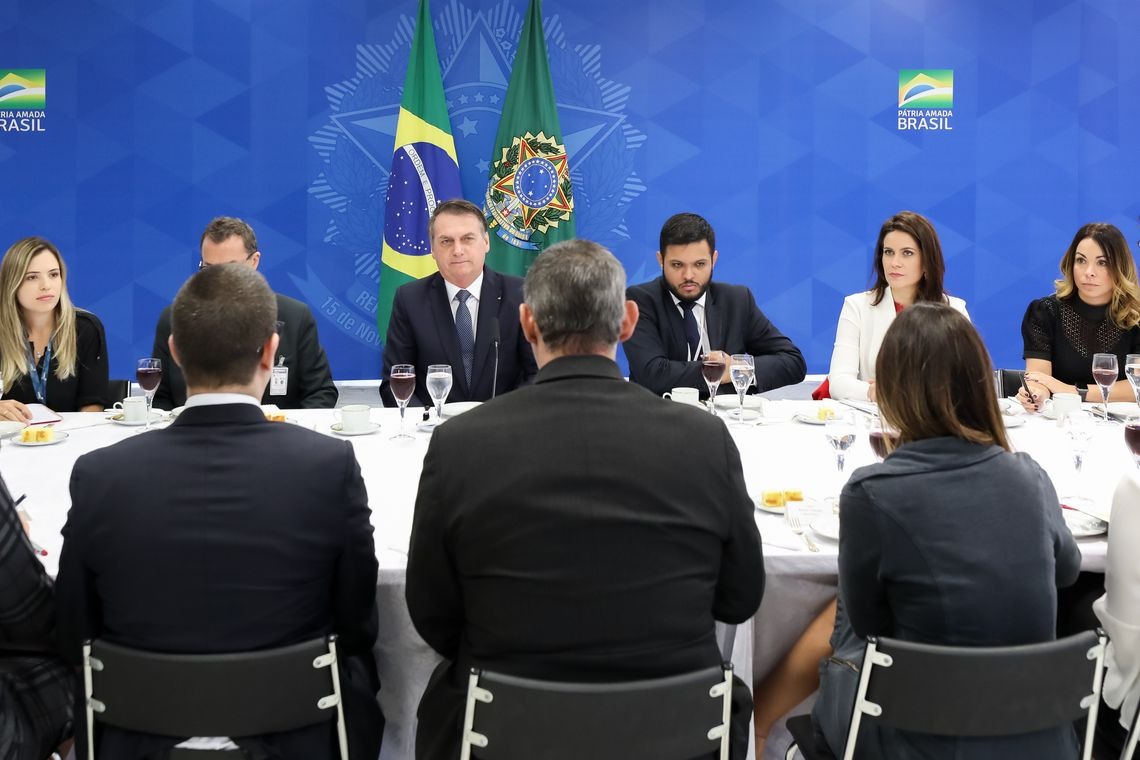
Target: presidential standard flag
529,203
425,171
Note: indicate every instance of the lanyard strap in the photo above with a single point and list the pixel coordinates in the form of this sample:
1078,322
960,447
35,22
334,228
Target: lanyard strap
39,377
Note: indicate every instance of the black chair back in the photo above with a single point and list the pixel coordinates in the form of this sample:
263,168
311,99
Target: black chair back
979,691
675,718
235,695
1010,381
1133,736
117,390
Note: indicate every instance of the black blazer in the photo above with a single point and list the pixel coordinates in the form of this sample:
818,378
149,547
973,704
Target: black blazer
658,352
422,332
224,533
310,381
616,530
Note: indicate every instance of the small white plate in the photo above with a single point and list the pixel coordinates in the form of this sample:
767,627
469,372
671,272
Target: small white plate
1082,525
60,437
826,526
456,408
770,510
733,402
11,427
372,428
1012,422
808,419
155,416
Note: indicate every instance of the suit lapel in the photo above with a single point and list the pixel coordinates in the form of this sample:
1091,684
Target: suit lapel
674,326
713,322
490,302
445,327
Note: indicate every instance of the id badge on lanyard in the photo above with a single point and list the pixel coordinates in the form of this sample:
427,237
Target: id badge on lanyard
39,377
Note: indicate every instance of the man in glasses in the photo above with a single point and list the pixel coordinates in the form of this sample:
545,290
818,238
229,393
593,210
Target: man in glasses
301,377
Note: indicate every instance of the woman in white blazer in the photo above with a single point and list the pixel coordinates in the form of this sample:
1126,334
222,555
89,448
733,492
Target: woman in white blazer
1119,614
908,269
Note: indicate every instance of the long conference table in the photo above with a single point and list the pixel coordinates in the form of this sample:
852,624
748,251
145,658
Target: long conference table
777,451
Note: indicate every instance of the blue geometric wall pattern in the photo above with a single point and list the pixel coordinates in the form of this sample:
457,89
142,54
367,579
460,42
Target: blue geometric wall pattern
776,120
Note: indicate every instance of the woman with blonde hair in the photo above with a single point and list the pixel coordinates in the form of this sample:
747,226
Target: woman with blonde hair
50,352
1095,310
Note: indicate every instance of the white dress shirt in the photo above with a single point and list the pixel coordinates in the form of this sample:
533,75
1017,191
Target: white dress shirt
474,289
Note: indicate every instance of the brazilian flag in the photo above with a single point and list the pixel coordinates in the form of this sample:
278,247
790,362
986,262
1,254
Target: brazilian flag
529,201
425,171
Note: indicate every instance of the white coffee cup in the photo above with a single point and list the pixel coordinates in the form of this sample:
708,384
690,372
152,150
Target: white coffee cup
1063,403
683,395
354,418
133,408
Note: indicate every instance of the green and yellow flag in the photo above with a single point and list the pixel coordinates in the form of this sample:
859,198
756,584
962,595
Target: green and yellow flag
529,202
425,171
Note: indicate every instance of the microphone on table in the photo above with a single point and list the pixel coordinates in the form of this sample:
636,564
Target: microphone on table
495,342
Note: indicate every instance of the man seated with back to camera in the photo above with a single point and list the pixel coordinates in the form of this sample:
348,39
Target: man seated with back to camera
616,528
225,532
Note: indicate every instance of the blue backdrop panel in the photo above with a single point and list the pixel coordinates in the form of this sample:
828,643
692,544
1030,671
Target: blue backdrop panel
776,120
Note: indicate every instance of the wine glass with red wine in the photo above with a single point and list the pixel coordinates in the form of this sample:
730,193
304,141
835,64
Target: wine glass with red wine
1132,438
148,373
403,382
712,370
883,438
1105,371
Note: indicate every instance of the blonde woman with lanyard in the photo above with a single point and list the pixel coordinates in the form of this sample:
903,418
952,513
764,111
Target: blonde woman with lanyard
50,352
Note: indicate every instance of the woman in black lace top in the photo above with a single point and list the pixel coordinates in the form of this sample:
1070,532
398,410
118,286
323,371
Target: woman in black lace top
1096,309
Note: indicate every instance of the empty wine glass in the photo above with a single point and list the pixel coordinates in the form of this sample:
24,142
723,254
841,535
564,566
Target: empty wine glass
712,370
403,383
148,373
438,386
1105,371
1079,427
840,432
1132,372
743,374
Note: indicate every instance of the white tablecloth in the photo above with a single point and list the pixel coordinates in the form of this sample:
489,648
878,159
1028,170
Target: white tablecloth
787,455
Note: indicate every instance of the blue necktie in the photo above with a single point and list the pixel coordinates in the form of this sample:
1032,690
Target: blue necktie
692,329
466,334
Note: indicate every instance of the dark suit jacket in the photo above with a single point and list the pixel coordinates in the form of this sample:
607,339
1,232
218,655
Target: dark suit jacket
224,533
616,530
310,381
658,352
976,561
422,332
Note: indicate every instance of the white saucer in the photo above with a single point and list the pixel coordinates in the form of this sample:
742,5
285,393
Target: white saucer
456,408
808,419
1012,422
155,416
826,526
733,402
372,428
60,437
11,427
1082,525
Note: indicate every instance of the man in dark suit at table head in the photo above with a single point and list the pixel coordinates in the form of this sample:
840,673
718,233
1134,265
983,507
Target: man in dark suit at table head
465,315
225,532
685,315
600,531
301,378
